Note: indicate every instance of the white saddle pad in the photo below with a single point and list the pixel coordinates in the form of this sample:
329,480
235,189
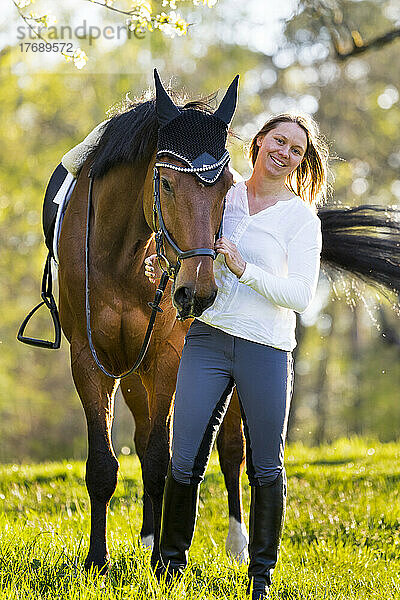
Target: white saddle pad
62,198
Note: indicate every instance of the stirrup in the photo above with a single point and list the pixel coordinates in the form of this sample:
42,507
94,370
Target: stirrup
48,300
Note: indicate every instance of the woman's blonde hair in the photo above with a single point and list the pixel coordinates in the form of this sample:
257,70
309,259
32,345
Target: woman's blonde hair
309,180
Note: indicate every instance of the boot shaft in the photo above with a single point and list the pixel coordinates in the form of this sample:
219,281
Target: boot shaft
179,515
267,513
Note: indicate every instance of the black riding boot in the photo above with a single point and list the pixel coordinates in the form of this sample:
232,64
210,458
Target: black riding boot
177,523
267,512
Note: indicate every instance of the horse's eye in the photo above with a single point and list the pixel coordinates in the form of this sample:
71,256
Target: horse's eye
165,185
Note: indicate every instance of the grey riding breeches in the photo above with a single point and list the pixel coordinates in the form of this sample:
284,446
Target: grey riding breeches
212,363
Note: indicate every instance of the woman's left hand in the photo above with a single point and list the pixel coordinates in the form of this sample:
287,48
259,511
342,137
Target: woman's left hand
233,259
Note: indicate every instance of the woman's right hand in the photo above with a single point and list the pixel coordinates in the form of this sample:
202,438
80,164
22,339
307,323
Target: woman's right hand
151,268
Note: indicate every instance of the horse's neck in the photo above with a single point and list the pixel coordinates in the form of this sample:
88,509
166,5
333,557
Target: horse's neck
121,234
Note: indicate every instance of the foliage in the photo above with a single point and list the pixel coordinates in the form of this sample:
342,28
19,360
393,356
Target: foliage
45,111
356,104
345,33
340,540
140,17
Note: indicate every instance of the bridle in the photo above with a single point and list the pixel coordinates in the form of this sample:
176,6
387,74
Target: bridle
161,234
200,138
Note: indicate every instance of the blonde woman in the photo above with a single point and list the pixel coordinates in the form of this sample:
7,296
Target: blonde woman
266,271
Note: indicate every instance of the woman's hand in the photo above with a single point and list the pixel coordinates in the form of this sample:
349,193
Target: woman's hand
233,259
151,268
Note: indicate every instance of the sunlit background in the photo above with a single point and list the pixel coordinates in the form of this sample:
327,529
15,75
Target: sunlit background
347,364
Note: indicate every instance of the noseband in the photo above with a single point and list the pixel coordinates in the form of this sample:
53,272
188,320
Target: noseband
168,272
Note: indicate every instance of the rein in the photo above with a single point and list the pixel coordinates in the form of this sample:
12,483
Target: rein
169,271
154,305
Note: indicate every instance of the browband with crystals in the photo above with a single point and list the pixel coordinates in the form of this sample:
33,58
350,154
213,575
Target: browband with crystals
216,166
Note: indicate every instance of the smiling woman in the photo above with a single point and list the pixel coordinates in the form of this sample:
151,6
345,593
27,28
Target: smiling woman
267,270
285,145
294,145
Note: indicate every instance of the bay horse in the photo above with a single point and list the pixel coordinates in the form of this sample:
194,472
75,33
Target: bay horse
362,240
121,237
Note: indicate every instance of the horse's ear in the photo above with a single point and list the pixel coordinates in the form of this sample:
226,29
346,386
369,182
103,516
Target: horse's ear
226,109
166,110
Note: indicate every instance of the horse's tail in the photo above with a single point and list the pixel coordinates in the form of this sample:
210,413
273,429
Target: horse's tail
363,240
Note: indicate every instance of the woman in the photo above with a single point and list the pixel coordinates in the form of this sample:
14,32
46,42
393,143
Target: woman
267,270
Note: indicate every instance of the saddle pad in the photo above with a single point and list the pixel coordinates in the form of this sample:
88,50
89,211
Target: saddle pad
63,196
56,199
74,158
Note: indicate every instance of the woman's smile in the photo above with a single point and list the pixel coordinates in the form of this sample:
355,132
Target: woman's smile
281,149
277,161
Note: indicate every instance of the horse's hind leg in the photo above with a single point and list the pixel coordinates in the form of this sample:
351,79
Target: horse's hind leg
97,395
231,450
135,396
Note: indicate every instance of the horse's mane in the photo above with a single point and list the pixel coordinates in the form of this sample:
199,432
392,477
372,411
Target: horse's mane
130,136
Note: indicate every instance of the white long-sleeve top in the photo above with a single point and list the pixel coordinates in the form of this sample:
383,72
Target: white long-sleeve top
281,246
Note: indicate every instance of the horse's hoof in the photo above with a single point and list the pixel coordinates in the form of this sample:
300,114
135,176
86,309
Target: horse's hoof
97,565
241,558
237,541
157,565
147,541
159,571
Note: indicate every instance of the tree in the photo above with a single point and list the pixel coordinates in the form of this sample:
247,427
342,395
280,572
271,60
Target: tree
138,16
46,112
345,32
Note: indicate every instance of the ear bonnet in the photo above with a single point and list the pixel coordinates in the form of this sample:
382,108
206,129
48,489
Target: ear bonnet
196,138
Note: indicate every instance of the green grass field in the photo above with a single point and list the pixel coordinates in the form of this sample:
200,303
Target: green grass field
341,539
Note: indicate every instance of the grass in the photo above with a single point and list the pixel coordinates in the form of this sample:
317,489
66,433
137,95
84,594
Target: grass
341,538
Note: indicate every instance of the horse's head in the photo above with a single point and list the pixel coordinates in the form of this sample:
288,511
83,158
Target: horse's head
191,181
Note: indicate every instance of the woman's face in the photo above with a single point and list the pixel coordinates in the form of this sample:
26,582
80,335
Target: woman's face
281,150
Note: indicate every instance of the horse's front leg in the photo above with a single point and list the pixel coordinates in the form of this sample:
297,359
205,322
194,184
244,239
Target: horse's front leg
231,450
160,382
96,392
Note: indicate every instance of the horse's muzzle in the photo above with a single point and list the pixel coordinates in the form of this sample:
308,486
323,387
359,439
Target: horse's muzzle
189,304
